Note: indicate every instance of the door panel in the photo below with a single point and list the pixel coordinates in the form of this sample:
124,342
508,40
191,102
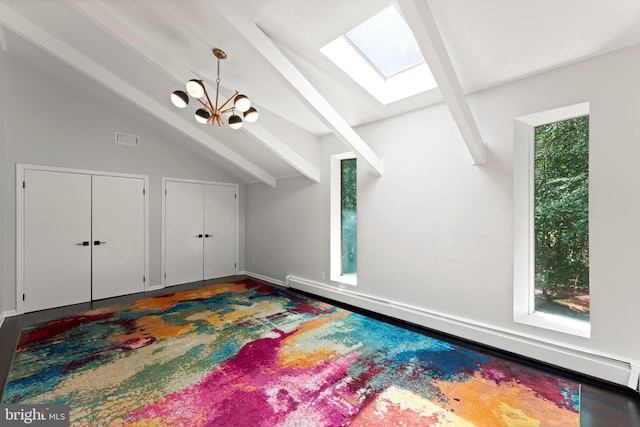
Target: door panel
183,224
118,236
57,220
220,226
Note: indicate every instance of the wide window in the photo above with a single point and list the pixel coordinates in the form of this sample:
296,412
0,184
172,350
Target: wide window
344,193
551,222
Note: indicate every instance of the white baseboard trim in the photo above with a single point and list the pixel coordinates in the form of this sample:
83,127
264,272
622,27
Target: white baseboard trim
5,314
604,366
265,278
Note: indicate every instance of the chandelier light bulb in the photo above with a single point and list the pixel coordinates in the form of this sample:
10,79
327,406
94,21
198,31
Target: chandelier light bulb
202,115
195,88
180,99
235,122
251,115
242,103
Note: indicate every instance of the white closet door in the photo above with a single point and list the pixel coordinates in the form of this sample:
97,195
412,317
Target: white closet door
183,232
220,231
118,236
57,239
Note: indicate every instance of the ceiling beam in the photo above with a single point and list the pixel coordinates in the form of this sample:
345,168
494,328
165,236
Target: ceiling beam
420,19
61,50
106,19
284,151
264,47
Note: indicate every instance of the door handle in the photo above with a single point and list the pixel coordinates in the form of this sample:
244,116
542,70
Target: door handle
85,243
98,243
199,236
208,235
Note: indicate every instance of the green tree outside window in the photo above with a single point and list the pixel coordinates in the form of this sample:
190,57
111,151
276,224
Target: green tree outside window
349,193
562,217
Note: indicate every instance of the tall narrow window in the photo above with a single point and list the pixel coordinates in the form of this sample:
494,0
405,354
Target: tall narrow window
561,184
348,205
551,220
344,194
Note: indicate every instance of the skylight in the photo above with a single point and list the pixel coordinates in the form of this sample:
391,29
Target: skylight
382,55
387,43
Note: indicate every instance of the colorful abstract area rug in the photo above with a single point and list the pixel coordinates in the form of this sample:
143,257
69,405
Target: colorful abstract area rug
246,354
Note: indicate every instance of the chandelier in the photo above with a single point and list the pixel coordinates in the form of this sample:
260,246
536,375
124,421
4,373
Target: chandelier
213,112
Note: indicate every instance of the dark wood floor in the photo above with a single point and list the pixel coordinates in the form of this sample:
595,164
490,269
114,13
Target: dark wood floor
602,404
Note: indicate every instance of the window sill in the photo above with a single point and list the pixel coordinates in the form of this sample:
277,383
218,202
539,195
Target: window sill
346,279
557,323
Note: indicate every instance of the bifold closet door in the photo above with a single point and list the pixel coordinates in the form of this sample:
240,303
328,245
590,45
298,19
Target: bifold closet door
220,231
118,236
184,212
57,239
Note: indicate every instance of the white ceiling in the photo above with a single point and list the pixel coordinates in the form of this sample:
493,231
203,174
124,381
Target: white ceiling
157,45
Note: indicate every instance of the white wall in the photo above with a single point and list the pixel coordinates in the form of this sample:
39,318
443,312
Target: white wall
436,233
2,59
47,122
288,227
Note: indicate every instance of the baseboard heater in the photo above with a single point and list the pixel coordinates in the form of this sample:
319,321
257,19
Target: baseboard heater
607,367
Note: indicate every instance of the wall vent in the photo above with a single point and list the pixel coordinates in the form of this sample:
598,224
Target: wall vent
123,138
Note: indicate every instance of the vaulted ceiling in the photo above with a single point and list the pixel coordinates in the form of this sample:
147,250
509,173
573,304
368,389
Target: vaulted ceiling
142,50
